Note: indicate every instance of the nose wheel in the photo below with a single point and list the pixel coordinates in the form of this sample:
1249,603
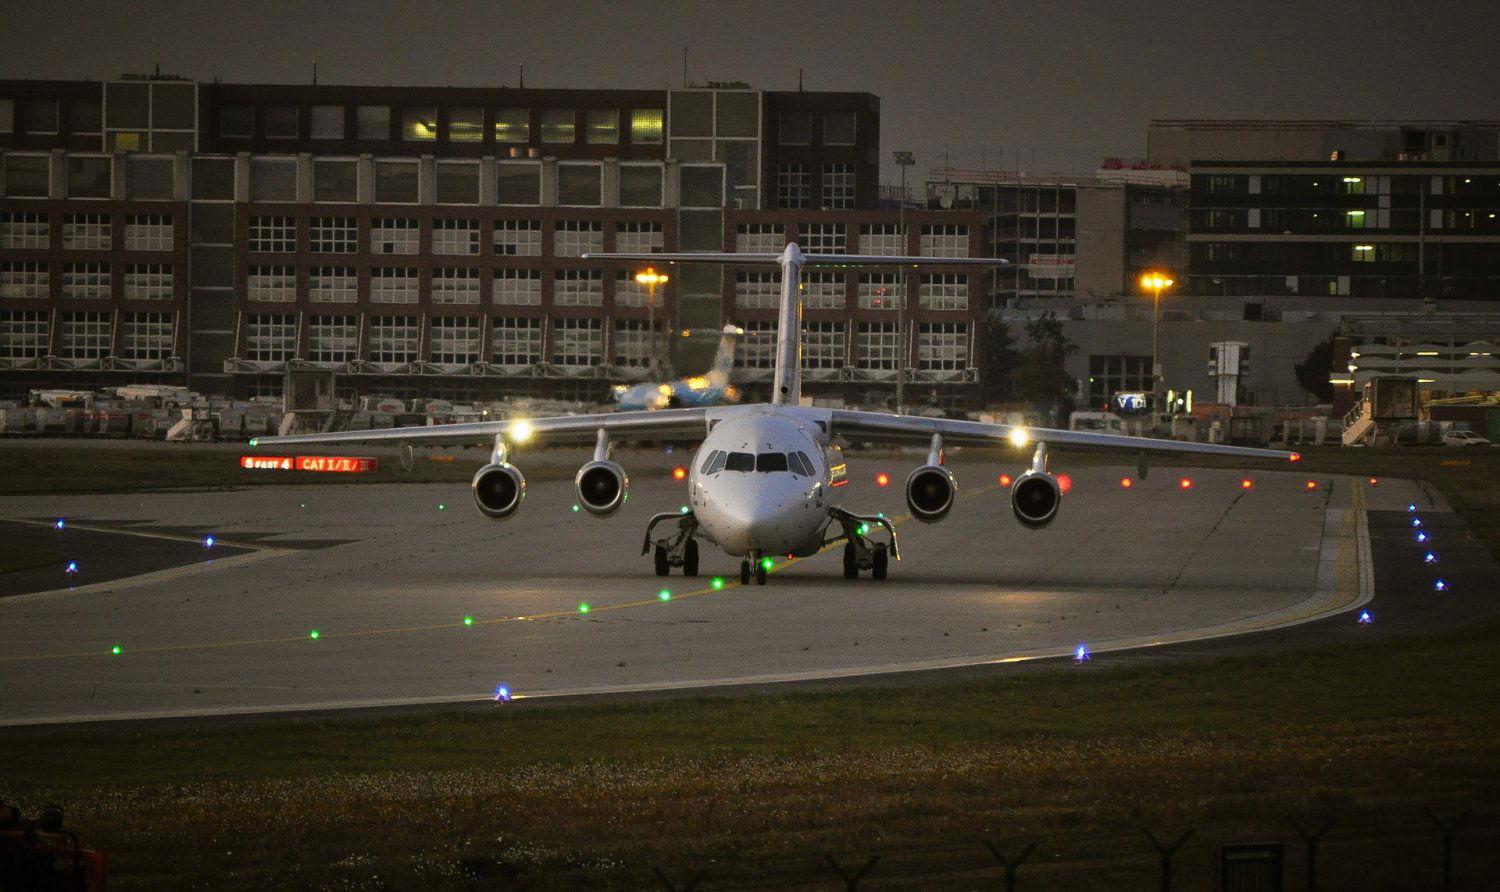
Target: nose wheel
754,567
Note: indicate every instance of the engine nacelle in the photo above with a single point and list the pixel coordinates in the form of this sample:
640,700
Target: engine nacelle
601,487
930,491
498,490
1035,498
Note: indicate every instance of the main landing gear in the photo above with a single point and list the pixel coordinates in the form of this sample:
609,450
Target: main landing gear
860,551
676,550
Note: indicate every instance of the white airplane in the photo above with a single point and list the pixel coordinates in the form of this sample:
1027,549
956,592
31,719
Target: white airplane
762,482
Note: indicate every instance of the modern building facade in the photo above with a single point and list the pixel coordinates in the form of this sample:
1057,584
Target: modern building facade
427,241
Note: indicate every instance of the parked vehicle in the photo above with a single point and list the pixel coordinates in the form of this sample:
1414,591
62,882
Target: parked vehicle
1464,438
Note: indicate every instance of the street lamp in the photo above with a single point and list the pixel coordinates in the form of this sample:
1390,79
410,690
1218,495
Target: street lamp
903,160
1155,282
651,278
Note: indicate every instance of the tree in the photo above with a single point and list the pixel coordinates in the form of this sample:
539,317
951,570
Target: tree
998,359
1041,375
1312,372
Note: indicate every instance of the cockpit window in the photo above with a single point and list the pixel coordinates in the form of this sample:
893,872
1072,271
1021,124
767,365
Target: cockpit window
740,461
800,464
715,462
768,462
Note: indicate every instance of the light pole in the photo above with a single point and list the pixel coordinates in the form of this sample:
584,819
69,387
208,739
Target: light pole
903,161
651,278
1155,282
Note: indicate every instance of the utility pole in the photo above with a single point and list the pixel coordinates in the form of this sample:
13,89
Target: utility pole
903,160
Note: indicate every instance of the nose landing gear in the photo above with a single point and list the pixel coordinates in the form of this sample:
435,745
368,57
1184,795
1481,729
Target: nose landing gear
753,564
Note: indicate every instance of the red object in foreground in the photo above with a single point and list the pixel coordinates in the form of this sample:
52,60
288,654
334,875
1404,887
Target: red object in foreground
1064,483
1005,480
1295,456
1126,482
1247,483
882,479
1185,483
337,464
679,473
266,462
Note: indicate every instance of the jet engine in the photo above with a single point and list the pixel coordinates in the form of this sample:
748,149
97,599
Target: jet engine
498,490
930,491
601,487
1035,497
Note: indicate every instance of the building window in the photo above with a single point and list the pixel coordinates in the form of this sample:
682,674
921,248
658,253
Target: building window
394,339
455,236
757,290
646,126
512,125
87,232
760,238
333,235
943,291
149,232
332,285
86,281
630,293
457,182
394,235
89,176
877,347
942,346
793,186
838,128
822,346
24,334
148,281
558,125
281,122
272,283
881,238
578,288
27,176
1356,219
273,179
823,291
454,340
879,291
518,238
572,238
638,237
328,122
795,128
335,180
640,185
1109,375
516,342
372,122
1219,183
519,287
396,182
602,126
577,342
85,335
838,187
580,185
146,336
235,121
7,116
276,235
821,238
419,123
394,285
24,230
634,346
518,183
945,240
757,349
466,125
271,337
1362,253
455,285
24,279
332,339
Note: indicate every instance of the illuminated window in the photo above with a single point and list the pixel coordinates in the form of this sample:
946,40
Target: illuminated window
146,336
270,337
838,187
558,125
87,232
512,125
793,186
394,285
942,346
757,290
520,287
148,281
394,235
602,126
646,126
823,291
572,238
1362,253
516,343
1352,185
760,238
419,123
149,232
876,347
638,237
332,338
881,238
1355,219
86,281
879,291
821,238
85,335
25,279
945,240
454,340
394,339
24,230
466,125
578,287
332,285
518,238
577,342
455,285
24,334
943,291
822,346
271,283
273,234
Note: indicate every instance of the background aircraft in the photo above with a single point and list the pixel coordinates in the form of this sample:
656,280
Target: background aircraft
709,389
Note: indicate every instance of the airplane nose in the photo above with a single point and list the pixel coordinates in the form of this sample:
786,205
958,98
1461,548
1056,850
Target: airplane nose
755,509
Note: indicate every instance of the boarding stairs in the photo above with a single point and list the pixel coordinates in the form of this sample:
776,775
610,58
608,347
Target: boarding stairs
1359,424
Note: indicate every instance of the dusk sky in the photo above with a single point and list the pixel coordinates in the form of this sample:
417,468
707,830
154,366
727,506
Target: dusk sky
984,84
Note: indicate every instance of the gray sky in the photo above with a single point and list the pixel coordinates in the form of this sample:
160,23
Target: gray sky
1071,82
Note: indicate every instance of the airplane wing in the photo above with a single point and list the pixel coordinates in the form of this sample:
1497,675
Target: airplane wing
879,427
667,424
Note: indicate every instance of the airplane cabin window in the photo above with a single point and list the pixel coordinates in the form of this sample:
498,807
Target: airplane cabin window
768,462
740,461
715,462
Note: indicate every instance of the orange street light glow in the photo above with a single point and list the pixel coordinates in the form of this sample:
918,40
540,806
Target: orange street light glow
651,277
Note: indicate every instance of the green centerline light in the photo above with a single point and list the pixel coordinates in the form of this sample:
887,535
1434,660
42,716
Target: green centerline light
664,595
115,650
767,563
718,582
575,509
315,634
254,441
584,607
468,620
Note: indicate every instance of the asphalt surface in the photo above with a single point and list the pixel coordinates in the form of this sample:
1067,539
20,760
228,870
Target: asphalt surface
387,575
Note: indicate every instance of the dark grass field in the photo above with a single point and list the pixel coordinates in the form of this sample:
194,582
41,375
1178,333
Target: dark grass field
756,789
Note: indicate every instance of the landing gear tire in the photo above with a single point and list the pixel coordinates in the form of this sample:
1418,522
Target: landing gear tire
662,566
744,572
851,561
878,562
760,573
690,558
